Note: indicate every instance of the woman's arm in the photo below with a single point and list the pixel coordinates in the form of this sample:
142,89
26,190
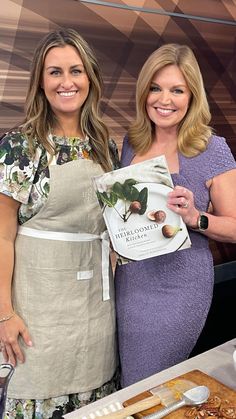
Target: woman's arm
222,218
13,327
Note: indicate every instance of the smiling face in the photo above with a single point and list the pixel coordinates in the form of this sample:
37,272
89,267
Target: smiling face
65,81
168,99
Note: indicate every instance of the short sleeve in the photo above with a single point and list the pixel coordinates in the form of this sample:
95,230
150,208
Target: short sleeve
17,167
219,156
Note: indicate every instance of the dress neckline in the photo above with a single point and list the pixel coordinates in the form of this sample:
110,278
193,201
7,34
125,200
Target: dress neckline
69,141
172,174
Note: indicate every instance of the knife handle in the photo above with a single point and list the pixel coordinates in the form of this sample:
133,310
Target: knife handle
134,408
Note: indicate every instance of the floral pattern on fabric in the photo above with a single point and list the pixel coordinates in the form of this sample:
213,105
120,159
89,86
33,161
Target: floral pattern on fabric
58,406
26,179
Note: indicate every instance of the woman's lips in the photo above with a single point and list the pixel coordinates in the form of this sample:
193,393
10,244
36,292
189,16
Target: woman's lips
68,94
164,112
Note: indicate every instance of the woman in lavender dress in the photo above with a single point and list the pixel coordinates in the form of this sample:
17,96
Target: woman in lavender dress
162,302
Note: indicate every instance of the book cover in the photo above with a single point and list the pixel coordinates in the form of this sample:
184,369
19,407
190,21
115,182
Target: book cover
133,202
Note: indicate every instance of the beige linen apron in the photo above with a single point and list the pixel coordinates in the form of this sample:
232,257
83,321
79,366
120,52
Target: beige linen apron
58,290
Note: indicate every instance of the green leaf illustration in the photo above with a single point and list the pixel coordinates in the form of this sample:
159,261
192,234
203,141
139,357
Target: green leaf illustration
130,182
117,188
106,199
127,193
142,198
113,198
130,192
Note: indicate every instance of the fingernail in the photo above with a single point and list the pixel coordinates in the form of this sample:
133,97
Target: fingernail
30,343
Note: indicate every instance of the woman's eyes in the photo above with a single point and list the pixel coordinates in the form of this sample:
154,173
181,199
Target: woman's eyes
176,90
155,89
75,72
55,72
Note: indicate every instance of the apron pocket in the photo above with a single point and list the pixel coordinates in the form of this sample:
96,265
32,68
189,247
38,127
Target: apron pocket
51,297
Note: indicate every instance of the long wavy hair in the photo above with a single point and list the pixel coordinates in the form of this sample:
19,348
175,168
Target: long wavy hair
194,130
39,116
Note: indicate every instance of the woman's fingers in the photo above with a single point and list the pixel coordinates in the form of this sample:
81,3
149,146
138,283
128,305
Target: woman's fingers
16,352
180,197
4,352
10,344
181,201
26,336
10,356
12,352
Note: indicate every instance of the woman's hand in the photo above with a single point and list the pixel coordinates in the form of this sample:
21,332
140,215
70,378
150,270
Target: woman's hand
10,331
221,217
181,201
13,328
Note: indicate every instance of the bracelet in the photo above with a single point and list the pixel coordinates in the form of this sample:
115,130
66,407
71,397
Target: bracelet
4,319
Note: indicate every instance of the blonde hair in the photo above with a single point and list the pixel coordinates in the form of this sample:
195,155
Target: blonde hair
193,131
39,117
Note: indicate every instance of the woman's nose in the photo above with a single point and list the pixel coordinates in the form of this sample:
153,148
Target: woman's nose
67,81
164,96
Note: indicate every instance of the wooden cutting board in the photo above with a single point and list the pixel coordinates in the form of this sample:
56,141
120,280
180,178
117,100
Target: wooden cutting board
198,377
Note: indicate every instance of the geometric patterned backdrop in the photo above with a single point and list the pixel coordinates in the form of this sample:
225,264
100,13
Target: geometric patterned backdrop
123,33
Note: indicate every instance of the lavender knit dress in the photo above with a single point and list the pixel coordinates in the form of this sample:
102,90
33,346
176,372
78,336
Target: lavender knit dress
162,302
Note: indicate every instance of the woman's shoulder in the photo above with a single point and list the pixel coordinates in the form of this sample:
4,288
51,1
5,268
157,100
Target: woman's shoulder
12,137
17,166
218,147
216,141
219,155
14,146
16,138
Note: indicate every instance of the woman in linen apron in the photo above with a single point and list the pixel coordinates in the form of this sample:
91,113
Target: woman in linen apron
57,319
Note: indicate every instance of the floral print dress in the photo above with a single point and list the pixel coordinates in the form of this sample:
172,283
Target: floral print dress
27,181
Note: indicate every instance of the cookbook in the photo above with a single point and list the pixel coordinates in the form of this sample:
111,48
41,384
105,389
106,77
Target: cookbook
133,202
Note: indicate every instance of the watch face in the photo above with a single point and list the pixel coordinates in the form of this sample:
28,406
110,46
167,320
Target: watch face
203,222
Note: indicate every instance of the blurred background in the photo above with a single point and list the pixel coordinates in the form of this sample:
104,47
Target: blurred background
123,33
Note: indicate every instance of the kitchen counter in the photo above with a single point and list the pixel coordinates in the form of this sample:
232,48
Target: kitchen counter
217,362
